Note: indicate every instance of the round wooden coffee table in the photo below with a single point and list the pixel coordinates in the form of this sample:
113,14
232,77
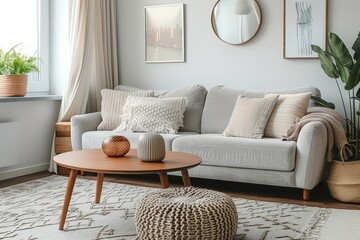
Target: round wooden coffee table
96,161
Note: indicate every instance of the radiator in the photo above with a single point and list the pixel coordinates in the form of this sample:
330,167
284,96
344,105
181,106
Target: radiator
9,144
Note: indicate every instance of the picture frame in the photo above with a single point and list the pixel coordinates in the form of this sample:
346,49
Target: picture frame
164,33
305,24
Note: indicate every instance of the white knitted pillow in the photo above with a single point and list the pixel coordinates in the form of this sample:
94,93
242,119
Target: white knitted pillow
112,103
250,116
162,115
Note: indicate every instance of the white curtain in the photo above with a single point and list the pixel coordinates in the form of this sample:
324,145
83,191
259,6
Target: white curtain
93,63
105,64
93,55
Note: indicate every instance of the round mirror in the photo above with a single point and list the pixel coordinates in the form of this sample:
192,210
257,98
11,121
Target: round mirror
236,21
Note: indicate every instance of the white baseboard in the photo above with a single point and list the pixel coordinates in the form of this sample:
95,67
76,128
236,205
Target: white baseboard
23,171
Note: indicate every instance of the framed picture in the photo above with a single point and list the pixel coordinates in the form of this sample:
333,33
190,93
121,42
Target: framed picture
305,23
164,33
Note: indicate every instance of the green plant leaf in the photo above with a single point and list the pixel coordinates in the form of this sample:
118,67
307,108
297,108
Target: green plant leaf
326,63
356,48
340,51
343,71
322,103
354,77
13,62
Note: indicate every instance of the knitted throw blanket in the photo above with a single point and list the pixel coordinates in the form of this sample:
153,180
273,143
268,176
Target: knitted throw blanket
335,130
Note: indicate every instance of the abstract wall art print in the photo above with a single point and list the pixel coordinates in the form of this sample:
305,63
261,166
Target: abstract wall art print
305,24
164,33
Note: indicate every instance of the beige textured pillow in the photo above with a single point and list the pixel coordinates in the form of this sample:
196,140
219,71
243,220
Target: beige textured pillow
162,115
289,109
112,103
250,116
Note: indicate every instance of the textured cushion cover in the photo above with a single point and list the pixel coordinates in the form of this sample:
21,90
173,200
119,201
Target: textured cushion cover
250,116
220,102
289,109
142,114
112,103
195,103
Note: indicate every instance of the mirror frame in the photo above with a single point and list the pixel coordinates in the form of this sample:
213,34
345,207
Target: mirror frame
213,25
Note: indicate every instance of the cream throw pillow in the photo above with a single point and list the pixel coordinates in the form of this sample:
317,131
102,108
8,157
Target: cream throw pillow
162,115
250,116
112,103
289,109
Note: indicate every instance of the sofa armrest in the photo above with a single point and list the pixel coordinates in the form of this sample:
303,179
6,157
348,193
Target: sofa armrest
311,165
83,123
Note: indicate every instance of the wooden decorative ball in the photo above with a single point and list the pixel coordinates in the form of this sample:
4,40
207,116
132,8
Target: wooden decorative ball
116,146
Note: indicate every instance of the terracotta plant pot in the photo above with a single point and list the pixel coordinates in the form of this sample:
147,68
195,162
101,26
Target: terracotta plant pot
344,181
13,85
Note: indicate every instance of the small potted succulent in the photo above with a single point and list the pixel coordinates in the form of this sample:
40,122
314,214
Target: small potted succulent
337,62
14,69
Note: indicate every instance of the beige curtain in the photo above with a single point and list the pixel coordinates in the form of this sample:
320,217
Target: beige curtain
105,74
93,55
93,63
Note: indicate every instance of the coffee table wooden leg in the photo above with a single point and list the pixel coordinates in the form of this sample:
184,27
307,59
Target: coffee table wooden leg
99,184
164,180
185,177
69,190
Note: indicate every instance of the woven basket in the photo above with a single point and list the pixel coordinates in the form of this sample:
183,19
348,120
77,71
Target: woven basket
13,85
344,181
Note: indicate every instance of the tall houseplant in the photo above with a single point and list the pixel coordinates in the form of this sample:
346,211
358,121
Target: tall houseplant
14,67
339,64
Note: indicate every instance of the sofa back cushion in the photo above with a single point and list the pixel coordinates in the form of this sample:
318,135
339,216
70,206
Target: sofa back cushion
220,102
195,103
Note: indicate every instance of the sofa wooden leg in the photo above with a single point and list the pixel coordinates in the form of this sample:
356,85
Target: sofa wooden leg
306,194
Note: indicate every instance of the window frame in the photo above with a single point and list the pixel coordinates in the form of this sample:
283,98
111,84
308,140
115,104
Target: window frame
42,86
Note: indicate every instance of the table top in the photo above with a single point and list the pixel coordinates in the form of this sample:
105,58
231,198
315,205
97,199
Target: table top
95,160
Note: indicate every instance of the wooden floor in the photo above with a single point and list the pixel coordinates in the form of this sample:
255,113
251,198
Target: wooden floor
319,196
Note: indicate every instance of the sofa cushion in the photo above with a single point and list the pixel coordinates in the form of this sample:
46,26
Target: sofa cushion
112,103
289,109
149,114
195,103
250,116
220,102
94,139
218,150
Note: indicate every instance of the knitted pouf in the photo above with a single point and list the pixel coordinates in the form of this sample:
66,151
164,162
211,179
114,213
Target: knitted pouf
186,213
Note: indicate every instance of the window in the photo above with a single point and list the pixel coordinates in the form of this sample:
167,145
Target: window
26,22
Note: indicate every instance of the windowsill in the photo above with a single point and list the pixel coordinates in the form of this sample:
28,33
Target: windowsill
30,97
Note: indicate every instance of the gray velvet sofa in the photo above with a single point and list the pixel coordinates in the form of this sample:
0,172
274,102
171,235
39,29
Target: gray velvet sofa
270,161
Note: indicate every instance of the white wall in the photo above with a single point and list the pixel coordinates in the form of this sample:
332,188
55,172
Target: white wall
35,122
255,65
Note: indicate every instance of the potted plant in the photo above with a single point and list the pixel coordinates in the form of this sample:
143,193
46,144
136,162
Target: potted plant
14,67
337,62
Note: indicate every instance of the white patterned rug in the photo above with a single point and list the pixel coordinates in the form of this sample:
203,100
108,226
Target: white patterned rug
31,211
